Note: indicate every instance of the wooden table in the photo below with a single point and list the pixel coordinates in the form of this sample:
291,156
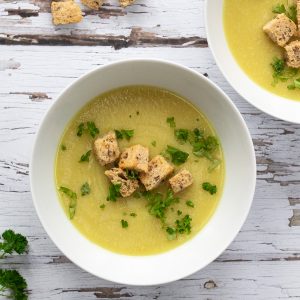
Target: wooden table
37,60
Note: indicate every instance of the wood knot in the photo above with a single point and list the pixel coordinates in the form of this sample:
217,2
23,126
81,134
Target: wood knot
210,284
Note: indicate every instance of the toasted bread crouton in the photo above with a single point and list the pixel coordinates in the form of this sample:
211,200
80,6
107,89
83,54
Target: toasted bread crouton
181,180
65,12
158,170
125,3
106,148
135,158
119,176
93,4
293,54
281,29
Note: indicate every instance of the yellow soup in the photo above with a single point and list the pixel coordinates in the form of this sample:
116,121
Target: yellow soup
251,47
145,110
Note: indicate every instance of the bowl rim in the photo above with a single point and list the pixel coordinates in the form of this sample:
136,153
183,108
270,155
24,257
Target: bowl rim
238,88
252,163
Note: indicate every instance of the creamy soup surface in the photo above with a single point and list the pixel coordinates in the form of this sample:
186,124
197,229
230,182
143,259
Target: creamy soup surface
145,110
252,48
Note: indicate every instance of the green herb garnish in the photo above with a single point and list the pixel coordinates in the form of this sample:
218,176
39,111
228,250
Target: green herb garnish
171,121
102,206
132,174
73,200
124,134
85,157
179,212
124,224
153,143
12,285
133,215
184,225
178,157
181,135
63,147
294,85
290,12
92,129
12,242
114,192
211,188
189,203
172,233
85,189
80,129
205,147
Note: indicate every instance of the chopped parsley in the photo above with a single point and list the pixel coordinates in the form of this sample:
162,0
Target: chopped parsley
290,12
92,129
85,189
204,147
73,200
294,85
283,73
133,215
114,192
124,224
102,206
179,212
189,203
171,122
124,134
12,242
181,135
63,147
178,157
172,233
80,129
184,225
132,174
85,157
211,188
12,285
153,143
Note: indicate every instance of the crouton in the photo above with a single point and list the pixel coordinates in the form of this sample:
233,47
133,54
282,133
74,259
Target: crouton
293,54
125,3
158,170
106,148
135,158
281,29
65,12
93,4
119,176
181,180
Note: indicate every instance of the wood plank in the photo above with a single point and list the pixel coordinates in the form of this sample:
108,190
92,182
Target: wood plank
168,22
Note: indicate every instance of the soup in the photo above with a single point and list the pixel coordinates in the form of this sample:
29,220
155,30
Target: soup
253,49
147,222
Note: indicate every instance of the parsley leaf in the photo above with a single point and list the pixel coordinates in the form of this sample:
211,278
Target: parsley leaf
92,129
290,12
295,84
80,129
171,121
124,134
85,157
73,200
12,242
184,225
172,233
12,283
189,203
114,192
204,147
85,189
179,212
212,189
178,157
124,224
279,9
181,135
132,174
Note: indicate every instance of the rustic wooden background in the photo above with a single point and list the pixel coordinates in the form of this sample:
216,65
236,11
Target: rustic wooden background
37,60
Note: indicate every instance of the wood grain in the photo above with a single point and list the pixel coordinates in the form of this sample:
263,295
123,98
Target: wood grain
263,262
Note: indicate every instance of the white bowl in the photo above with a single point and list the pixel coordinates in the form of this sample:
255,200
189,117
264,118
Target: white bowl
279,107
222,227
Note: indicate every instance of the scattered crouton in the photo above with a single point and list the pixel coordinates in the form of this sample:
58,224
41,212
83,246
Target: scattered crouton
293,54
281,29
119,176
65,12
135,158
93,4
125,3
158,170
106,148
181,180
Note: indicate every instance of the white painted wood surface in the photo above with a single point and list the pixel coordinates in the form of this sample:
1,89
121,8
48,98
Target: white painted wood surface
264,260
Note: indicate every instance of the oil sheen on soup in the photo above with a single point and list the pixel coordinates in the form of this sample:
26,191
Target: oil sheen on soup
252,48
133,225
